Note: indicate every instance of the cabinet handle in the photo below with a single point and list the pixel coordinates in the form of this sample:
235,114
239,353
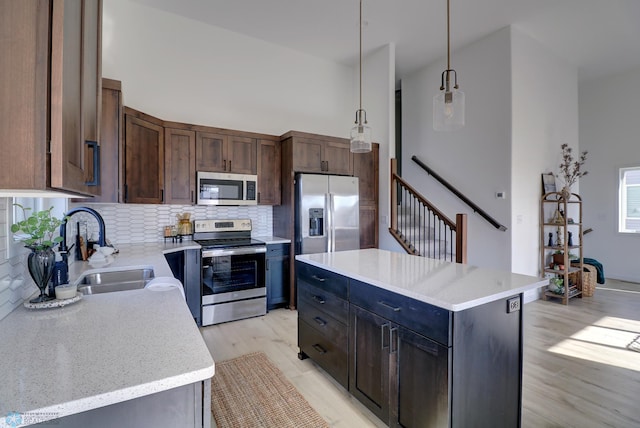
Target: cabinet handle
229,166
319,299
383,337
224,164
388,306
393,347
319,348
258,197
96,163
192,200
161,195
126,192
320,321
317,278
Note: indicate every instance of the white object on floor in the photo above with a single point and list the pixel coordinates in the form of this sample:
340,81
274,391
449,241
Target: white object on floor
163,283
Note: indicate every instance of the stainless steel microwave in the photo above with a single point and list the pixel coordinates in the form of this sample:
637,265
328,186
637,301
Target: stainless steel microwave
220,188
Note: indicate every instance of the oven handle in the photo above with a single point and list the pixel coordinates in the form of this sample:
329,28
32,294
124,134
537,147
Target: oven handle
234,251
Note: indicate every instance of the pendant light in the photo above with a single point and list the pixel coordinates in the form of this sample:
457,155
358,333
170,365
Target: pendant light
448,104
361,133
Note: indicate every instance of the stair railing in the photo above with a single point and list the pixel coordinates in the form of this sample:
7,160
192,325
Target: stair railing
456,192
422,229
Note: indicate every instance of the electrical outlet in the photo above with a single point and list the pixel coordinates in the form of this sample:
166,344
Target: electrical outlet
501,195
513,304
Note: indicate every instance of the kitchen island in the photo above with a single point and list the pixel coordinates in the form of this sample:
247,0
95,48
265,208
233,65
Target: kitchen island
130,358
420,342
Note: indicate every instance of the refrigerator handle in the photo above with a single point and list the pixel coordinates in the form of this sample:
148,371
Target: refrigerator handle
328,202
332,230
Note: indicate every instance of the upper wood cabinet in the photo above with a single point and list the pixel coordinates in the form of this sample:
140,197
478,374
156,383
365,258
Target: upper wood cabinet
144,158
269,164
317,155
111,143
50,92
366,168
179,166
217,152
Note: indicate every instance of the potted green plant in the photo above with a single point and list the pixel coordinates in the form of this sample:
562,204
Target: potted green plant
38,233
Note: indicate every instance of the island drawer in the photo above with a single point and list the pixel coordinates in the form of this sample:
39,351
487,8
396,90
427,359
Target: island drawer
423,318
324,323
331,357
329,281
322,300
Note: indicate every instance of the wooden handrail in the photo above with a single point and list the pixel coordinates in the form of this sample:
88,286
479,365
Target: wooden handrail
456,192
459,226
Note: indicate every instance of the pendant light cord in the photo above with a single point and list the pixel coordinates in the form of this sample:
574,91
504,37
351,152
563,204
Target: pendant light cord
360,54
448,42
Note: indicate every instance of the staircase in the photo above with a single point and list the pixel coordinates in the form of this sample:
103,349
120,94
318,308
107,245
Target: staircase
420,235
420,228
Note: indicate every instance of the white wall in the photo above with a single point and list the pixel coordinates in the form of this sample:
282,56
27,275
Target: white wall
544,116
183,70
475,159
378,99
609,130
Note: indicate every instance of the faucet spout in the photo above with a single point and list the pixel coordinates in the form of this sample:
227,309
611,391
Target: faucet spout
102,229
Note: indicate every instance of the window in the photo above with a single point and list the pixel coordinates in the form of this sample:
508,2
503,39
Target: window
629,209
13,214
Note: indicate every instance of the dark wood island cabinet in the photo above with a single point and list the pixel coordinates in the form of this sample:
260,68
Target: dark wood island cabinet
414,339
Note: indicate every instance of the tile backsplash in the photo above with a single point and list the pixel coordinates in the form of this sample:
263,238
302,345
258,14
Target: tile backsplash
125,224
134,223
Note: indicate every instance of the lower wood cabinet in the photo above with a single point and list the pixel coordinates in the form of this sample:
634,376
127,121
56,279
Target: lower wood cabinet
277,275
411,363
323,312
401,376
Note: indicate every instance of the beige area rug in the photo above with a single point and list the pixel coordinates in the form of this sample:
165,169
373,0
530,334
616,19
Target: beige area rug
249,391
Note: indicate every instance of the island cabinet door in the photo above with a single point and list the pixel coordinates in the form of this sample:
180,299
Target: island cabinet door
369,361
419,382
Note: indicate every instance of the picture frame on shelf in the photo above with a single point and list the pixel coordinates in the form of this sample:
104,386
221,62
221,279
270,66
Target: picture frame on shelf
548,183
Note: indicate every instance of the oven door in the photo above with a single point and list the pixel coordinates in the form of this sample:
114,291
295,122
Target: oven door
232,270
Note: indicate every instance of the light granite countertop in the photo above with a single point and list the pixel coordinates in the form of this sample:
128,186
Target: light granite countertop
104,349
131,256
450,286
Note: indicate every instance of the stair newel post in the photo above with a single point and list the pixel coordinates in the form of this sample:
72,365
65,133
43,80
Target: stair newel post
394,195
461,238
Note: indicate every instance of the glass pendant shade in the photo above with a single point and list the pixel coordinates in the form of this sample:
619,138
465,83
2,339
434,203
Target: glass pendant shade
360,139
448,110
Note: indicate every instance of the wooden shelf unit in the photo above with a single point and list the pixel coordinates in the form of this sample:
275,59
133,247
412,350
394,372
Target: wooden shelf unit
555,212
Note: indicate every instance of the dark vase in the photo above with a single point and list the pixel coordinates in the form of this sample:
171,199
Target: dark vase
40,264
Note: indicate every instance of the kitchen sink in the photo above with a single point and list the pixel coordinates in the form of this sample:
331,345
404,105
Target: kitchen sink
121,280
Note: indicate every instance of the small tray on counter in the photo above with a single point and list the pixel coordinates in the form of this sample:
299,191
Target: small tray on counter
55,303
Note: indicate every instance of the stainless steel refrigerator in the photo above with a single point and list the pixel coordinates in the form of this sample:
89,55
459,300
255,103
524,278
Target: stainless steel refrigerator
327,213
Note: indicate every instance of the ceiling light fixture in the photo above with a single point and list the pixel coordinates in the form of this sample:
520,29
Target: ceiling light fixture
361,133
448,104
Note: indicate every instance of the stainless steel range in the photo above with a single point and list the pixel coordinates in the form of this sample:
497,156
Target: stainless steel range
233,271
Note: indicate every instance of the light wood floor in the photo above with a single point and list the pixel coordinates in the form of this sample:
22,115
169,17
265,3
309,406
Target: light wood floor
577,370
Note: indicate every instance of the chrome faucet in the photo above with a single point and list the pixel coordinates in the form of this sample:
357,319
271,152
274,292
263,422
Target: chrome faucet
63,228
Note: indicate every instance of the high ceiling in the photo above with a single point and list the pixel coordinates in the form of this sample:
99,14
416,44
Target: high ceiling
600,37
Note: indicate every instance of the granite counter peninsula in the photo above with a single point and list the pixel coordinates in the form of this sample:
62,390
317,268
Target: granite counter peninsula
420,342
128,358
